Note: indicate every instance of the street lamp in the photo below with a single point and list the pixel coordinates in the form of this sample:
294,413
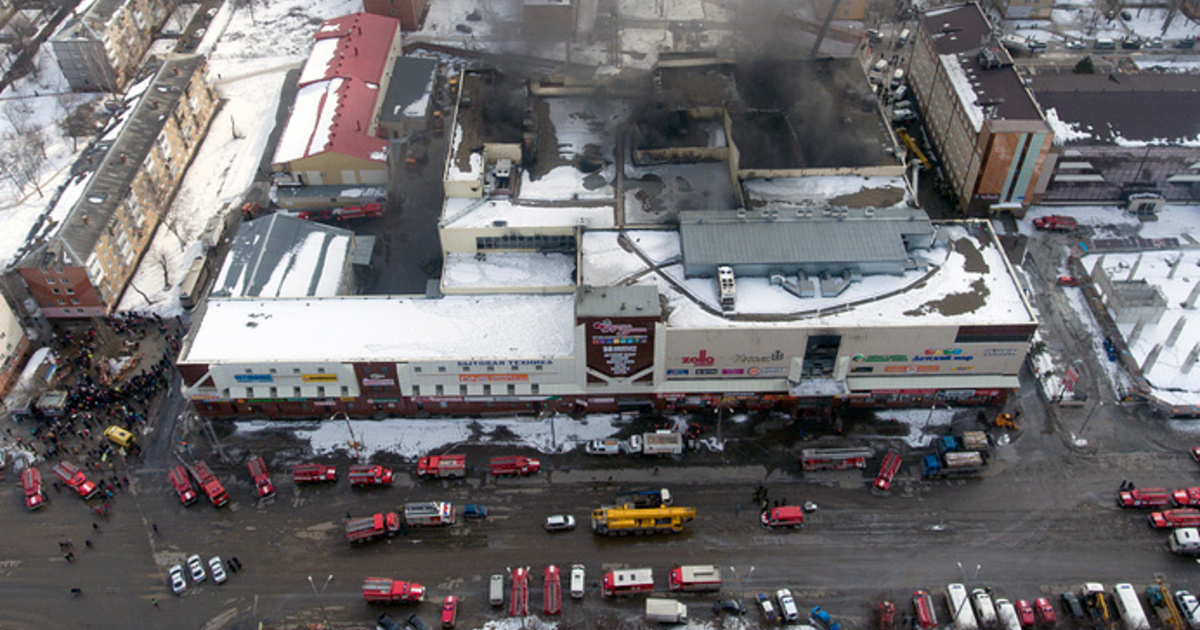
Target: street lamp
1099,404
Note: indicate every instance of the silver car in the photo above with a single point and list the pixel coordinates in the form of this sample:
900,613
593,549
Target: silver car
178,583
196,566
217,569
787,605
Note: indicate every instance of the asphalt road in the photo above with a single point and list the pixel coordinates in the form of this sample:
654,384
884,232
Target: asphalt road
1042,519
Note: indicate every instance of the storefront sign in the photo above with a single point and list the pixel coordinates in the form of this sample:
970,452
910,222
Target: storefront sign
619,346
319,378
492,378
521,362
378,382
253,378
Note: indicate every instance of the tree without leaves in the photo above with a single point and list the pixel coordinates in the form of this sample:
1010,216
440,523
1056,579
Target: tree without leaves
81,122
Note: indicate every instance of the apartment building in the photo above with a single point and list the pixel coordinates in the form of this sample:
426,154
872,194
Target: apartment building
100,48
991,135
83,268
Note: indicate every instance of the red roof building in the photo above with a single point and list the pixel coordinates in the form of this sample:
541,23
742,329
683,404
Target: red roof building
411,13
330,137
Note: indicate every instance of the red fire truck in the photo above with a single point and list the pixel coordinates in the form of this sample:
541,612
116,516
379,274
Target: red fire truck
887,471
695,577
428,513
386,591
627,582
784,516
262,480
370,475
514,465
1187,497
69,473
360,530
834,458
442,466
1175,518
31,483
552,591
314,473
1144,497
923,605
183,486
364,211
518,604
208,483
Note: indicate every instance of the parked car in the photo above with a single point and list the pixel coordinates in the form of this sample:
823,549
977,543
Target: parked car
787,605
1068,281
449,611
384,622
1025,614
196,566
1075,44
1045,612
217,569
767,608
1189,607
560,523
475,510
1071,606
731,606
178,583
416,623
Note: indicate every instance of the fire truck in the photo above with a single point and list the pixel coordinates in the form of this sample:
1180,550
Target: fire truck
784,516
377,590
314,473
623,521
31,483
518,604
1175,518
365,211
514,465
360,530
1186,497
627,582
887,471
442,466
208,483
428,514
370,475
834,458
1144,497
183,486
552,591
695,577
70,474
262,480
926,615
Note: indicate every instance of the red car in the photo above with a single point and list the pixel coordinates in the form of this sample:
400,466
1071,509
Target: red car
1068,281
1025,614
1045,612
449,611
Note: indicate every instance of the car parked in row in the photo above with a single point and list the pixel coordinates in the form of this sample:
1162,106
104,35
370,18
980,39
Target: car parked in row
196,567
178,582
217,569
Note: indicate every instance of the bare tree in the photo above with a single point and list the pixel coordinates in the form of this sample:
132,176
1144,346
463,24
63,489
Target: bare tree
175,224
79,123
22,163
164,263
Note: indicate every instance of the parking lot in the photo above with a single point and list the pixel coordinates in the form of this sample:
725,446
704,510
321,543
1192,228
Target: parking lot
1041,520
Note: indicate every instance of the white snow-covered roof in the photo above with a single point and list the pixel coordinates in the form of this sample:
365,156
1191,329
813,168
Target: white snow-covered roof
384,328
307,130
967,281
508,270
462,212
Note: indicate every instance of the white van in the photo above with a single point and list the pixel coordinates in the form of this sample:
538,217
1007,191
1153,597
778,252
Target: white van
1105,43
1130,608
603,447
960,607
1008,615
1185,541
496,590
880,66
984,609
898,77
577,580
902,39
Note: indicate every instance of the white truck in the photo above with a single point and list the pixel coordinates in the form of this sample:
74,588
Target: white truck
661,442
1008,615
1185,541
665,611
960,607
984,610
1132,613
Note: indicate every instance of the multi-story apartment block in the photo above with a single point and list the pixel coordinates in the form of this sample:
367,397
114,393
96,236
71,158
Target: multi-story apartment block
100,48
83,268
14,346
989,131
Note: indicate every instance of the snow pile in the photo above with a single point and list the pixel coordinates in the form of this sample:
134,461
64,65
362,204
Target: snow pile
413,438
924,425
962,86
1064,131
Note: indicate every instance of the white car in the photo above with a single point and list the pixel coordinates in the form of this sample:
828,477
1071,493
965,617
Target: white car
1075,44
178,583
196,566
560,523
577,580
217,569
787,605
1189,607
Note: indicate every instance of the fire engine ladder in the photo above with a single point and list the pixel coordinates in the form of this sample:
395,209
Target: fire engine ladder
518,605
1170,615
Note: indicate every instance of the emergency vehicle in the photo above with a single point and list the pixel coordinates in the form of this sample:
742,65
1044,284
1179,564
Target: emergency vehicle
314,473
887,471
627,582
552,591
695,577
70,474
370,475
262,480
834,458
31,483
784,516
182,485
518,604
